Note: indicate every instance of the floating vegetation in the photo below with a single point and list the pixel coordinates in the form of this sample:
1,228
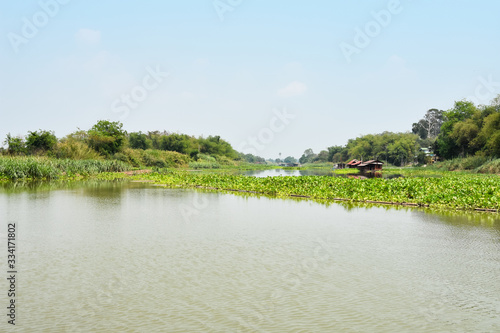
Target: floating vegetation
461,191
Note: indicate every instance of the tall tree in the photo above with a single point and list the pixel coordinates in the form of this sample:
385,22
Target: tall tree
106,137
430,125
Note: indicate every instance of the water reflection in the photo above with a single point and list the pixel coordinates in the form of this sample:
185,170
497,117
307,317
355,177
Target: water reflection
199,261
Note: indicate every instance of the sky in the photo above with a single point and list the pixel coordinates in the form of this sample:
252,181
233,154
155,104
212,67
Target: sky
270,77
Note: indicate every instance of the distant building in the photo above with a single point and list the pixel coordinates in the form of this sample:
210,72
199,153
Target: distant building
371,165
429,153
340,165
353,164
367,166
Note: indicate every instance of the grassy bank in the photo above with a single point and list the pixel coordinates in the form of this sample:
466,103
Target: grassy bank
477,164
452,191
12,168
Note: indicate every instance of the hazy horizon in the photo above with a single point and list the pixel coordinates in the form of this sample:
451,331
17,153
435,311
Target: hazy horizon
269,78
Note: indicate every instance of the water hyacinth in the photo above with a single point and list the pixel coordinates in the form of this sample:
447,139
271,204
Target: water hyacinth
464,191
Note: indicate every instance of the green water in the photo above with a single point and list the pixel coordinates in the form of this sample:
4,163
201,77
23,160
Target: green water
131,257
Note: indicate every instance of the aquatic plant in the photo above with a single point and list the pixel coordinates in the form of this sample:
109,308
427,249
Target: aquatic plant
463,191
51,168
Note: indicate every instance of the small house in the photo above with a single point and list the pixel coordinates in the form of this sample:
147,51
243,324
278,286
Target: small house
353,164
369,166
340,165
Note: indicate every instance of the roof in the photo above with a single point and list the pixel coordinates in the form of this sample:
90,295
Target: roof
376,162
354,162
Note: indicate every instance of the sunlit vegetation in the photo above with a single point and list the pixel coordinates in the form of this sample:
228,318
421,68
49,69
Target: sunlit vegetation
462,191
13,168
108,141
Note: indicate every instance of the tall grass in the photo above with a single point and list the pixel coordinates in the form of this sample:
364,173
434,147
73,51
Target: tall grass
75,150
490,167
153,158
480,164
27,167
51,168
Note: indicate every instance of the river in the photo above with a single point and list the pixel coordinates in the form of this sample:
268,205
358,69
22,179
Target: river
132,257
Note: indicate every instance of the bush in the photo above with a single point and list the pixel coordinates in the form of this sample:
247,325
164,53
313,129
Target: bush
490,167
15,145
461,164
39,142
106,137
76,150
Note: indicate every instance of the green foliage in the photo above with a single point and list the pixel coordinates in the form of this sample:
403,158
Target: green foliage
472,163
307,157
50,168
335,154
489,136
139,140
204,165
490,167
176,142
451,190
106,137
15,145
396,148
250,158
430,125
74,149
470,130
152,158
214,145
39,142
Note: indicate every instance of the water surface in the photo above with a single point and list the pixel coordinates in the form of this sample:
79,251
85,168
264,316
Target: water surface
130,257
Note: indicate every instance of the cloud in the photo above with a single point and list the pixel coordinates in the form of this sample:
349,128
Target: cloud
88,36
294,88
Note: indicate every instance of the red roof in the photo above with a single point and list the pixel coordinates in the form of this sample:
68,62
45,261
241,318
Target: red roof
371,162
354,162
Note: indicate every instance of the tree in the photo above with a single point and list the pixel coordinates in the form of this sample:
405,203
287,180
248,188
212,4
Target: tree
446,146
106,137
15,145
322,157
335,153
175,142
307,157
464,134
290,159
430,125
139,140
489,136
40,141
214,145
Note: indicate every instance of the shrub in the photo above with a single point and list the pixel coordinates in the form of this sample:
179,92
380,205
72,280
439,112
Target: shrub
42,141
76,150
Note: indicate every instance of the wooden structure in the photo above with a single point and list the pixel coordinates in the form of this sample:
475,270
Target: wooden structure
340,165
367,166
371,165
353,164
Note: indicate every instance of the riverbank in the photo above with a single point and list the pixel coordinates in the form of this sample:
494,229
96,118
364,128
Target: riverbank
460,191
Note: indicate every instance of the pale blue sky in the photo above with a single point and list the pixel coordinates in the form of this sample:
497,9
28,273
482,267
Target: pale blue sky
227,76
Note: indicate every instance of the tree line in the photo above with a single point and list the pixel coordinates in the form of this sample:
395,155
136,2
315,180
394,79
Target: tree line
462,131
107,138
